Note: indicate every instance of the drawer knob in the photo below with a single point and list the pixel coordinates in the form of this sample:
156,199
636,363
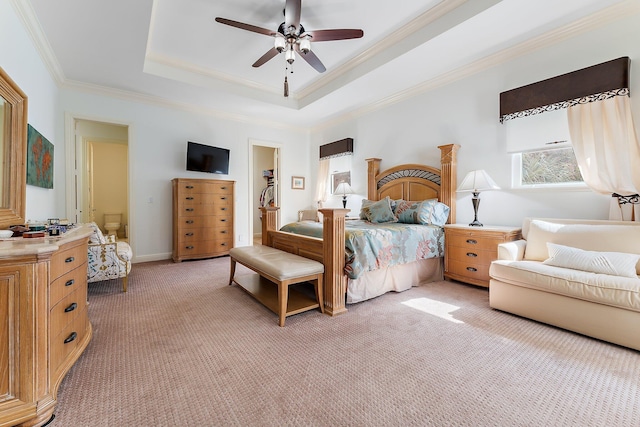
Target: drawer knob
70,282
70,259
471,254
189,187
189,222
189,209
472,269
72,307
471,241
223,209
189,247
223,220
223,188
71,337
223,198
189,234
189,198
223,244
223,231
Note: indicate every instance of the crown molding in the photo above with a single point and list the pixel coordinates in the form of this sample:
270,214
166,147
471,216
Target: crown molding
581,26
387,42
163,102
32,26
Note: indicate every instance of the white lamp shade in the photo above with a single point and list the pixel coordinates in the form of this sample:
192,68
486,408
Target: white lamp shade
279,43
477,181
305,45
343,188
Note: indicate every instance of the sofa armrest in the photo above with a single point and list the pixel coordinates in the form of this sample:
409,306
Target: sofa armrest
512,251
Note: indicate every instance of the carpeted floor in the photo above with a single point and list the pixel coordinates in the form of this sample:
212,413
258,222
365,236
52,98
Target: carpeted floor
182,348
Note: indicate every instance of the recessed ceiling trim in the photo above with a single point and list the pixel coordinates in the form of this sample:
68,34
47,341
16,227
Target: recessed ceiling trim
588,23
126,95
386,45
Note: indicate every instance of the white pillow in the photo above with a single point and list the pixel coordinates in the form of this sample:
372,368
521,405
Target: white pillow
609,238
612,263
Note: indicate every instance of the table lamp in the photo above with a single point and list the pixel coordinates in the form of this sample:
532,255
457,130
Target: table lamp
343,188
477,181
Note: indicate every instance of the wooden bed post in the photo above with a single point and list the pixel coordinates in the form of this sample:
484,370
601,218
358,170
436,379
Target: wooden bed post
449,178
373,169
335,281
269,223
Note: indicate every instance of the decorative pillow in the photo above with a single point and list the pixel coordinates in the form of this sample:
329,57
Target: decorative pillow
430,212
380,212
365,203
609,238
612,263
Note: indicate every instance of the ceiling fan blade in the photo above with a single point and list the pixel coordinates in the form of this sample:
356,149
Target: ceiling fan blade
266,57
338,34
247,27
312,59
292,13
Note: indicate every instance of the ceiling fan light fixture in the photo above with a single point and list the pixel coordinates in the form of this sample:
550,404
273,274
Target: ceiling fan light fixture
290,56
279,43
305,45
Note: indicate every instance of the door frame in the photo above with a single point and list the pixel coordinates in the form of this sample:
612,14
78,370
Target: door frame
278,150
74,180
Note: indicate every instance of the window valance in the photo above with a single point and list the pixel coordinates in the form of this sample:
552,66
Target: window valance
594,83
339,148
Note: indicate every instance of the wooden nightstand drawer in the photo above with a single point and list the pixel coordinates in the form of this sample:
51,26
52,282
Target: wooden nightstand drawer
470,250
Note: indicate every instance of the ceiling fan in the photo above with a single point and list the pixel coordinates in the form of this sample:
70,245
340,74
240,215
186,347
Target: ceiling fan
291,37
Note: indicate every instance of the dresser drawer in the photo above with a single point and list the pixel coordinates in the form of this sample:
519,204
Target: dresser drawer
200,221
201,210
469,270
472,241
203,234
189,187
68,258
471,254
218,246
205,199
68,339
68,283
67,309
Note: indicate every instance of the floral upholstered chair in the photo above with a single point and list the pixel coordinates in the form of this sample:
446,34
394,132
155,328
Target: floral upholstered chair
108,259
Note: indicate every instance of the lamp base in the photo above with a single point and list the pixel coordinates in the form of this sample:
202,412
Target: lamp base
475,200
344,202
475,223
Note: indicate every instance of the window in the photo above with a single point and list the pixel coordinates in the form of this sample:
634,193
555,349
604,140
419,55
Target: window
556,167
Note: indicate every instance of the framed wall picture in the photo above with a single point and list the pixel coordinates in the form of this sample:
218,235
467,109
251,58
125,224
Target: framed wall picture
339,177
297,182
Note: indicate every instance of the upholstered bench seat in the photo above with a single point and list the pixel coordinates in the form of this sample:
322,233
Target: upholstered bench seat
282,269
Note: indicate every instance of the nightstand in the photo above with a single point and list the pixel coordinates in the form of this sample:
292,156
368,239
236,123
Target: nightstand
470,250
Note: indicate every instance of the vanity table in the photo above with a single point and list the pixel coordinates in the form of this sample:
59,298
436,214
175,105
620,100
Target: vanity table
44,323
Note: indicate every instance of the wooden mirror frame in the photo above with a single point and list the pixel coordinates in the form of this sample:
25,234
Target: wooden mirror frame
15,154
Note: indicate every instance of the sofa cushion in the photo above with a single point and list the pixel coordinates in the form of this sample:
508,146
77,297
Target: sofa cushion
616,291
607,238
613,263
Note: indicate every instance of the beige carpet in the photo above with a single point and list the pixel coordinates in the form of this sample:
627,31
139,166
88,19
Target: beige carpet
182,348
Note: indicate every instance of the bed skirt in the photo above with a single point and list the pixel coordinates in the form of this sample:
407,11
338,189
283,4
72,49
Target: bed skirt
397,278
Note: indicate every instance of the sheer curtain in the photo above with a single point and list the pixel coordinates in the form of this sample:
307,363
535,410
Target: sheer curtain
321,182
607,150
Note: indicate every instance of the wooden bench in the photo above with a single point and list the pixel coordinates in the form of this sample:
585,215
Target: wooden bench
276,271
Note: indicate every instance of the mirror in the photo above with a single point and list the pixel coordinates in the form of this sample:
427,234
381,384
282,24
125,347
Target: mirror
13,152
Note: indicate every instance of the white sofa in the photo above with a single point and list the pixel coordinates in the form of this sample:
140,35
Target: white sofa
580,275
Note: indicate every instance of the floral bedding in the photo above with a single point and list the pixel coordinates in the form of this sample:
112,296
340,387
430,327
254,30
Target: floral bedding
374,246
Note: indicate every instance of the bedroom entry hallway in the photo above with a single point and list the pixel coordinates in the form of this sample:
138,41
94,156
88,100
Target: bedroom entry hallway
100,176
264,167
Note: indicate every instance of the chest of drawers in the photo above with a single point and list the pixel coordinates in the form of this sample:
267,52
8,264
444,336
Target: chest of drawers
44,322
202,218
470,250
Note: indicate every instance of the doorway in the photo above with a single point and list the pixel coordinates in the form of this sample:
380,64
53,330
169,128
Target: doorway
264,164
101,178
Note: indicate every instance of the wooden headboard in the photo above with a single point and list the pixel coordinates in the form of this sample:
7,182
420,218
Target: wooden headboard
417,182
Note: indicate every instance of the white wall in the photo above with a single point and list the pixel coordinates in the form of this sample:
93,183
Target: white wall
22,63
467,113
157,153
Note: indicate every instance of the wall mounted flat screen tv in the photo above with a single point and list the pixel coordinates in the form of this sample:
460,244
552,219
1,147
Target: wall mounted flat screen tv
205,158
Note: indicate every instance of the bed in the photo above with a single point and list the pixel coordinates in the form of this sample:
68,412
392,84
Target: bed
332,243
